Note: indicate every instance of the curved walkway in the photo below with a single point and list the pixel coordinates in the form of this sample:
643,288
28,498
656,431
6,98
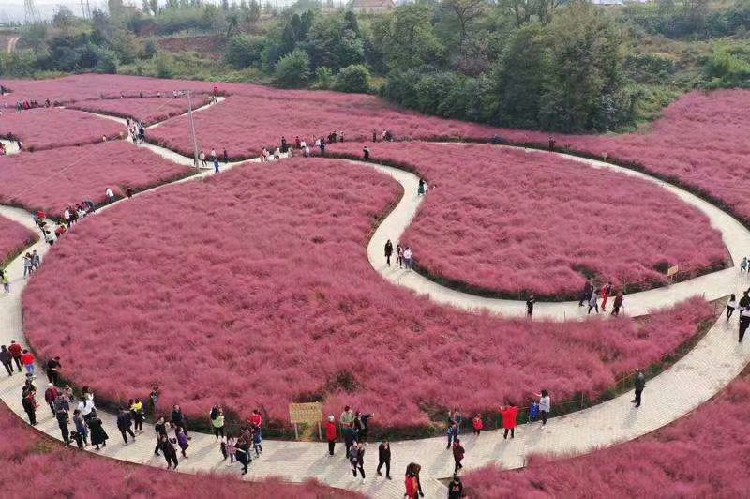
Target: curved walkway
699,375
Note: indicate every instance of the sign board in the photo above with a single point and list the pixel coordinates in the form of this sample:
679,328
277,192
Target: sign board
671,271
306,413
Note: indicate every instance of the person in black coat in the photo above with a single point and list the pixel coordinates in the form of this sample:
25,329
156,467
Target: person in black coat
242,453
124,422
384,458
29,407
388,252
170,453
62,422
98,435
178,418
161,431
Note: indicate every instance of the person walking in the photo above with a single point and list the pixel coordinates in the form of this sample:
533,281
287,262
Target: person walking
731,306
347,428
617,304
202,158
53,367
408,255
332,434
384,458
124,424
161,431
477,424
412,471
7,359
530,306
136,410
361,426
593,302
357,459
170,453
29,362
226,156
606,292
366,153
388,252
6,282
182,441
16,351
640,384
399,255
62,422
586,293
36,260
99,437
455,488
217,422
744,321
178,418
216,165
458,455
50,395
29,407
242,453
509,413
544,405
422,188
80,425
452,434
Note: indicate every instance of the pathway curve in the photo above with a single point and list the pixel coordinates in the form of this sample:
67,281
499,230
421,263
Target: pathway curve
694,379
11,46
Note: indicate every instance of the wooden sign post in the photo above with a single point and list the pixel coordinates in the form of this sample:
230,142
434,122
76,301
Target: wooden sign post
306,413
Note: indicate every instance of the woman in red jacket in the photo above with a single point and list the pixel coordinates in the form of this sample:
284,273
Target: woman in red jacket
510,419
332,434
477,424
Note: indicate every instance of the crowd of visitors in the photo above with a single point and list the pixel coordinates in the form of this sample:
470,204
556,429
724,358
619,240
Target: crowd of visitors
590,296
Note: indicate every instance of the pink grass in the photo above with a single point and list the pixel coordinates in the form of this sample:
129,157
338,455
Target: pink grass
33,465
704,454
510,222
253,288
41,129
51,180
147,110
14,238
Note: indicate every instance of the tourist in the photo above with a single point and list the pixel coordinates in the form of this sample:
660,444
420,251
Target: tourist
422,189
400,255
124,424
458,419
161,432
477,424
27,263
216,165
347,428
232,448
332,434
202,158
154,397
277,154
242,453
28,386
412,470
617,304
217,422
50,395
35,260
322,148
87,408
214,157
29,407
178,418
745,300
170,454
357,458
284,145
257,438
744,321
4,279
408,255
81,428
731,305
256,419
98,435
53,367
366,152
530,306
509,412
551,144
593,305
452,433
744,264
360,426
455,488
16,351
586,293
110,195
640,384
458,455
182,441
544,405
384,458
62,422
7,359
136,411
388,252
61,402
226,156
29,362
606,291
412,486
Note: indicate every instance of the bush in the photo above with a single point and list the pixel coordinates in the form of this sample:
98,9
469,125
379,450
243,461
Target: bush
164,67
245,51
353,79
293,69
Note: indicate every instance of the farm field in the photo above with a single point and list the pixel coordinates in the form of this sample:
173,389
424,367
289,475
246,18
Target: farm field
41,129
148,110
261,272
685,459
47,465
511,223
51,180
14,238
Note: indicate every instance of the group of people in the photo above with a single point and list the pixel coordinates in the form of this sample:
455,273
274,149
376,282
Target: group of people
214,159
590,296
404,255
744,310
136,131
26,104
238,448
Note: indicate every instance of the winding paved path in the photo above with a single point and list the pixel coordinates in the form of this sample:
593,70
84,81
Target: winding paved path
694,379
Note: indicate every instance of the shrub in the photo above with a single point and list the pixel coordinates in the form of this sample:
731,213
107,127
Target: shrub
353,79
293,69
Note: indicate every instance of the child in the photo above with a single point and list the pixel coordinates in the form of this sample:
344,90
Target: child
477,424
77,438
182,441
231,448
257,441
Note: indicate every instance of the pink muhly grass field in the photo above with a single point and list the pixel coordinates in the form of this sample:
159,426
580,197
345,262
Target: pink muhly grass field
41,129
34,465
704,454
14,238
510,222
147,110
253,288
51,180
244,124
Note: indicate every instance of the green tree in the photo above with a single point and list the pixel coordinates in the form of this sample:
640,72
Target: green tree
410,41
293,69
353,79
245,51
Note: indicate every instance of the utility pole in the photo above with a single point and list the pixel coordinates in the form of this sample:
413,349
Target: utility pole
192,130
